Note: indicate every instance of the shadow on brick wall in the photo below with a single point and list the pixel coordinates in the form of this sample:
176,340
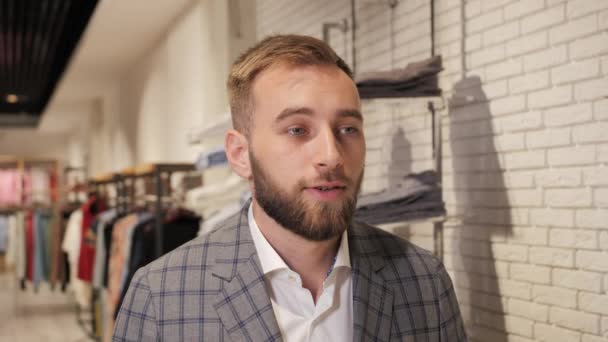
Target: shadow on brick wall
481,208
400,162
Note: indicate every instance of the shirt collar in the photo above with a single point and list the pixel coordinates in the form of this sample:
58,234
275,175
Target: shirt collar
270,259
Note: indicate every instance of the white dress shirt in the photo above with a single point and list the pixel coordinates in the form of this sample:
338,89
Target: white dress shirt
299,319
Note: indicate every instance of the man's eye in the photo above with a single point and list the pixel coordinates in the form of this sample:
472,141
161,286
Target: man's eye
296,131
348,130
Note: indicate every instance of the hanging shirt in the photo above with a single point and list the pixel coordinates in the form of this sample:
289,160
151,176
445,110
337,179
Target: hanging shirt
104,218
20,251
29,244
40,186
143,219
71,245
41,251
298,317
10,187
11,247
89,237
4,228
117,258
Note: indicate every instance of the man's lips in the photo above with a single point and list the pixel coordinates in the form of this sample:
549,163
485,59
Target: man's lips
327,191
336,185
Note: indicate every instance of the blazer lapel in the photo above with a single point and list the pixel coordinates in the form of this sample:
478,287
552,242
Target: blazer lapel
242,303
372,297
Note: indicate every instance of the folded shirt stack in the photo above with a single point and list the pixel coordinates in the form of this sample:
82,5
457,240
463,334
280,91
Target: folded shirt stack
417,79
416,196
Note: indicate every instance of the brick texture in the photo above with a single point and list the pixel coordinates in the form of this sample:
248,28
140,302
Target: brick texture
524,149
577,279
575,320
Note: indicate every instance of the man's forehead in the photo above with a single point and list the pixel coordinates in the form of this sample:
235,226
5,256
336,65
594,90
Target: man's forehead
289,76
285,90
297,72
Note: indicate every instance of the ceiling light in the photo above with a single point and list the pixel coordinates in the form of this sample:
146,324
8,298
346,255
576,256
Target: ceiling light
12,98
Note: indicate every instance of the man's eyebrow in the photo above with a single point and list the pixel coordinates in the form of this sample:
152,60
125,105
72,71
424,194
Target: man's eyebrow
353,113
287,112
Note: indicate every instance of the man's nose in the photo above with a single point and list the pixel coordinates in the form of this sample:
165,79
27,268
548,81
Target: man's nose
328,151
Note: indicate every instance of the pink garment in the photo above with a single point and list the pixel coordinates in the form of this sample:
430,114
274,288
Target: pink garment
37,186
117,258
10,187
27,187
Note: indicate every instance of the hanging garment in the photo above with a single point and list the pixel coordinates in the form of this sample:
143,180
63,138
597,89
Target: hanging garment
63,268
90,209
27,188
143,219
29,245
55,257
52,187
11,247
117,258
71,245
10,188
41,252
108,233
40,187
179,226
4,228
20,246
104,219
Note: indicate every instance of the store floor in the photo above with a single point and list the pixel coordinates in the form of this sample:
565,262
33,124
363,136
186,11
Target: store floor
46,316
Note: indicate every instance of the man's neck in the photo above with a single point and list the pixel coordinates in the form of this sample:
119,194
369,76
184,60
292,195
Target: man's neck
310,259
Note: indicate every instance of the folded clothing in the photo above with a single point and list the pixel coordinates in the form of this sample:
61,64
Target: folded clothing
416,79
417,196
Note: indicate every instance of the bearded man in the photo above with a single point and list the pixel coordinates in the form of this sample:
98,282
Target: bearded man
293,265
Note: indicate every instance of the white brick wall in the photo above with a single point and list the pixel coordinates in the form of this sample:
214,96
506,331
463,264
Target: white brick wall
543,19
568,115
549,256
551,333
525,174
592,260
592,302
557,296
573,319
577,279
575,71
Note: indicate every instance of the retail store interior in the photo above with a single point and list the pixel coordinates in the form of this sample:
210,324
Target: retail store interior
486,134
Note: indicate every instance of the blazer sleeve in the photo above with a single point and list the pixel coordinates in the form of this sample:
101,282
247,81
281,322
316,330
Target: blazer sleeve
451,324
136,319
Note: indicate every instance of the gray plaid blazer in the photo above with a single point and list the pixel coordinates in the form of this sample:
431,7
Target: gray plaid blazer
212,289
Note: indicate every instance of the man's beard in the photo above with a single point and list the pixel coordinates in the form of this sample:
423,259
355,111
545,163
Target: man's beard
320,221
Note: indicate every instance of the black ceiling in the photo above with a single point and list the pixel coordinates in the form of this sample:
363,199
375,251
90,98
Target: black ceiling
37,39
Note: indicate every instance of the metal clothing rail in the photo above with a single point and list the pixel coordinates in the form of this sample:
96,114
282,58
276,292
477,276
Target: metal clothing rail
157,173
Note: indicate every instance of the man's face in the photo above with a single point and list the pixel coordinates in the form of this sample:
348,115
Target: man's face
307,148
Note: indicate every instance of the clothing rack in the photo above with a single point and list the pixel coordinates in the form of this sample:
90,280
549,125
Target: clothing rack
125,183
98,185
159,173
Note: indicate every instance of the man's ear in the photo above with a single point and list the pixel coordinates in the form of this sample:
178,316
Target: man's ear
237,152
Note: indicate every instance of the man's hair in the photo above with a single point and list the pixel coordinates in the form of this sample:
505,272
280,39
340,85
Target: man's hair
292,50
